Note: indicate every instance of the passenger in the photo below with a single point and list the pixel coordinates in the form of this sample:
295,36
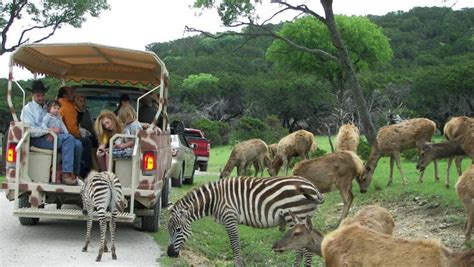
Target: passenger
128,117
86,126
69,114
106,125
33,114
124,100
148,108
53,119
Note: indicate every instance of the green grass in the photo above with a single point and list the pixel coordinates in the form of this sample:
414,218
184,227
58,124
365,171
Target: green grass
209,239
2,178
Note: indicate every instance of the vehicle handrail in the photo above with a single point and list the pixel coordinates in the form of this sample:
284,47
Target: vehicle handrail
134,159
22,90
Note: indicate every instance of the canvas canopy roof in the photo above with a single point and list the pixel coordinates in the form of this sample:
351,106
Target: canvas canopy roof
92,62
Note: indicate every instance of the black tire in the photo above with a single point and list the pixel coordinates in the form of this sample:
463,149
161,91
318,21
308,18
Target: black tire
152,223
190,180
203,167
25,203
165,193
177,182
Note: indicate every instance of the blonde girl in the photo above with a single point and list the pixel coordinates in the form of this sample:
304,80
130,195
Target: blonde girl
106,125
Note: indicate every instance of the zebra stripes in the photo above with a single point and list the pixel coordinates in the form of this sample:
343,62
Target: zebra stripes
101,191
255,202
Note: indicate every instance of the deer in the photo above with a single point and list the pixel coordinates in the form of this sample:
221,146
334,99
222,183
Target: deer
395,138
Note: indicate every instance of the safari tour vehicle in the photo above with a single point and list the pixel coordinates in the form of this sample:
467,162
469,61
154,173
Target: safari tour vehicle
105,72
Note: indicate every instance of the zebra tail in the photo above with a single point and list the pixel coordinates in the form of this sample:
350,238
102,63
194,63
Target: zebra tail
117,196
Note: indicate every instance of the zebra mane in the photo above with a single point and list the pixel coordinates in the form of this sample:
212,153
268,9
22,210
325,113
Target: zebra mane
186,201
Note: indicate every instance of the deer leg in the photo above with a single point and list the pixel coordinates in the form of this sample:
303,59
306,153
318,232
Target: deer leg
469,207
256,166
390,177
448,168
240,168
458,162
231,226
396,155
286,162
347,198
435,166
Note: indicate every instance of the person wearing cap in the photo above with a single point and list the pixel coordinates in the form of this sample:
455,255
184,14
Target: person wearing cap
69,113
33,114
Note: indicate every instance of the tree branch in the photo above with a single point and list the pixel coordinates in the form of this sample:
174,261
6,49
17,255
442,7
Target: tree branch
16,8
266,32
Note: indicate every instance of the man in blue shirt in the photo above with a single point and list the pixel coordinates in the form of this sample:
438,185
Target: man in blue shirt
33,113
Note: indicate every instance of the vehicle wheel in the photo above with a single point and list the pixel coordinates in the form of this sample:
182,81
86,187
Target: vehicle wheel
165,193
190,180
177,182
203,167
152,223
25,203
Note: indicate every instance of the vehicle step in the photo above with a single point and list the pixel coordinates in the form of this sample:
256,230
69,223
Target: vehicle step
68,214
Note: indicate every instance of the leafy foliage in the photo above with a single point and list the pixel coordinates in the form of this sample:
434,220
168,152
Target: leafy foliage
217,132
46,14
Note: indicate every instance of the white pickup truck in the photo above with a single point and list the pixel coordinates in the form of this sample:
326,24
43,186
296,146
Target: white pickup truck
109,71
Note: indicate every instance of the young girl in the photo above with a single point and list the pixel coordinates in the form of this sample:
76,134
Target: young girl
128,117
106,125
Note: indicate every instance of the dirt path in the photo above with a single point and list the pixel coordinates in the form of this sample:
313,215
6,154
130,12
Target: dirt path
59,243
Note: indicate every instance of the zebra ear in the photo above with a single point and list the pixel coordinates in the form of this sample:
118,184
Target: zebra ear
294,217
80,182
170,206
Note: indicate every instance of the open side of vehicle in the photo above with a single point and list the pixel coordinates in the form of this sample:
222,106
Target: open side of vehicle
31,172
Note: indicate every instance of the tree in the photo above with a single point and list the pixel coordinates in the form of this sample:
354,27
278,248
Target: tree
231,11
48,15
368,47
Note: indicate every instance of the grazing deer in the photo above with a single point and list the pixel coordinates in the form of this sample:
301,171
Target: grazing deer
335,171
295,144
392,139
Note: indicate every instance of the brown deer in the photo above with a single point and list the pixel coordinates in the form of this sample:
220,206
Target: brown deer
465,192
347,138
303,235
334,171
455,128
373,217
392,139
245,153
298,143
355,245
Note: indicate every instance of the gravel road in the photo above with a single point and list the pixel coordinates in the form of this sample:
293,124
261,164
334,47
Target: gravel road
59,243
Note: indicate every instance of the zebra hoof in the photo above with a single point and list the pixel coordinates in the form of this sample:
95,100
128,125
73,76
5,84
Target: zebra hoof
114,257
84,249
106,249
98,258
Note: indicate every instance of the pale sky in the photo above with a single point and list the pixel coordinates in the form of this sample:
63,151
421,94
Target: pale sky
134,24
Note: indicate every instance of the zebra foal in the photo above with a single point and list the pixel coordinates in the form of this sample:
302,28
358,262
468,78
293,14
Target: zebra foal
255,202
101,191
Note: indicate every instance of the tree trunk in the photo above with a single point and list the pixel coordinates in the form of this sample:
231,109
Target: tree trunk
348,70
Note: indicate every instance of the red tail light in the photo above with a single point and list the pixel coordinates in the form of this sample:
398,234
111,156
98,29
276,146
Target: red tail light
149,161
11,153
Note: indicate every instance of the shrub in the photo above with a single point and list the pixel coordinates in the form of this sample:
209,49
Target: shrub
410,155
363,150
216,131
247,128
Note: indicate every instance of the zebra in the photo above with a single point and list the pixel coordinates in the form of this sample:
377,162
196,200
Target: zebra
101,190
252,201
